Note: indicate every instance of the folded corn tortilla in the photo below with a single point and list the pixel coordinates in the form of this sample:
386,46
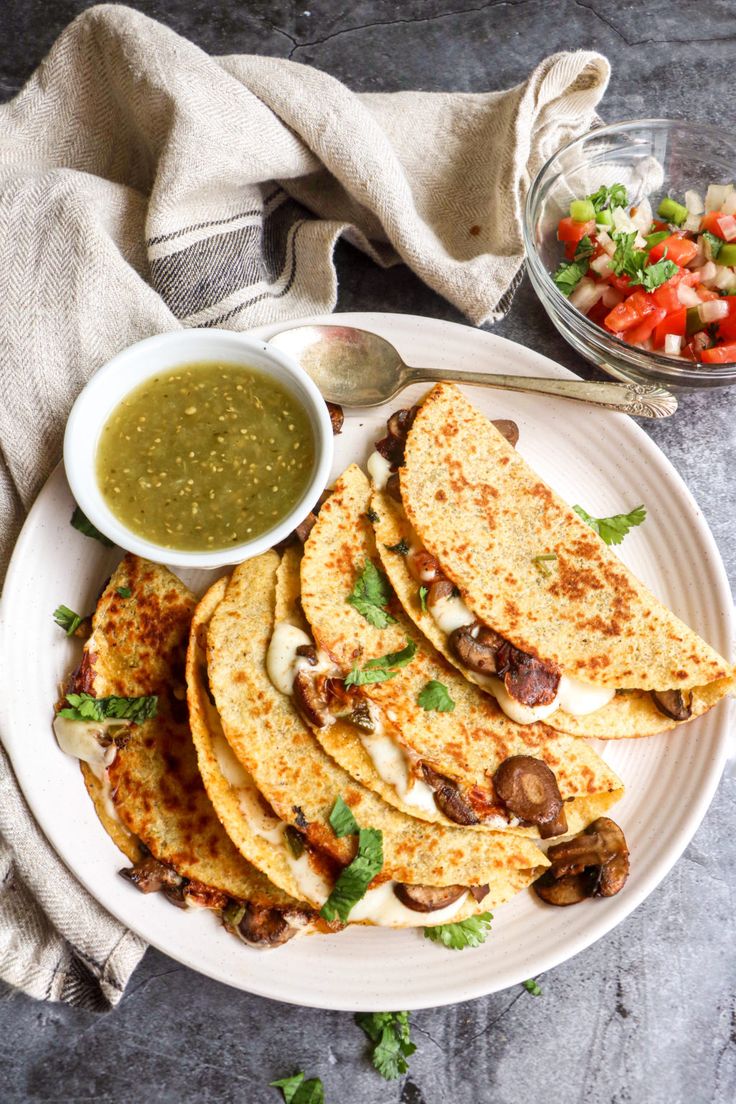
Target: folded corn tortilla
301,782
465,745
479,508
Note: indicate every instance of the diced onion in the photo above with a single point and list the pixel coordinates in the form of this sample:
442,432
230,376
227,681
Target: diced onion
707,274
694,202
623,221
606,242
642,220
727,226
673,344
601,265
729,207
691,223
717,195
688,296
611,297
586,295
725,278
713,310
700,258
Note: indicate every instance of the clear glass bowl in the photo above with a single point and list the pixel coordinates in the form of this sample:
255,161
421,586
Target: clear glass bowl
653,157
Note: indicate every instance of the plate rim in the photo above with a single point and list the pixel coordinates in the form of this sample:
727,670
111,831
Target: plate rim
618,908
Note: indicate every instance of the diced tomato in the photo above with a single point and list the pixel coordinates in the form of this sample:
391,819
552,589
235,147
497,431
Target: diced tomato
658,225
674,323
706,293
727,326
622,283
680,250
571,231
598,312
666,295
630,312
710,222
639,333
719,354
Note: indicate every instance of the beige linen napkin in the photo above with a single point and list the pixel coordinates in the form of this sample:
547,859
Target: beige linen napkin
146,186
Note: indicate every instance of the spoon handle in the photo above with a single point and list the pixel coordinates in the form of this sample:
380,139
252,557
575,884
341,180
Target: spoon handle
645,400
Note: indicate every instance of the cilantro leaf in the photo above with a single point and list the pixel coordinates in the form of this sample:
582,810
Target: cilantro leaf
372,515
653,276
124,592
716,243
81,522
298,1091
466,933
370,595
612,530
569,274
67,619
390,1033
83,707
354,880
435,697
423,592
342,820
615,196
584,248
382,668
402,547
531,987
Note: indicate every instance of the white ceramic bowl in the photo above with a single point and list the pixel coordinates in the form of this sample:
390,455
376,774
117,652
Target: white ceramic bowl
139,362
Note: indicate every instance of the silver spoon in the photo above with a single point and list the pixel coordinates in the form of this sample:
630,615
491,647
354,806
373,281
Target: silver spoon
354,367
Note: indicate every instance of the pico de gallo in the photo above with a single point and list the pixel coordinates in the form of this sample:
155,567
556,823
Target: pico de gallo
664,282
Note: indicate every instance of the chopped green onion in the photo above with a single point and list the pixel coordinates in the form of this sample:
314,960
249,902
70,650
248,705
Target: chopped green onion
582,210
656,238
693,321
727,254
673,211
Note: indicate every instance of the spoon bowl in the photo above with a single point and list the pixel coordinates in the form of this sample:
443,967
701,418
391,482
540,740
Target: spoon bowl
354,367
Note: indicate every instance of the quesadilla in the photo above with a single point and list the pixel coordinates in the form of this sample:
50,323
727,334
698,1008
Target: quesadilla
453,741
442,872
581,643
142,774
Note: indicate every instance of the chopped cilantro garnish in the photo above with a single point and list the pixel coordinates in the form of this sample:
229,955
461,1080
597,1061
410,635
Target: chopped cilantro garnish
632,262
342,820
467,933
370,595
83,707
354,880
67,619
382,668
423,592
531,987
435,697
390,1033
654,275
716,243
612,530
372,515
124,592
402,547
81,522
298,1091
540,562
584,248
569,274
615,196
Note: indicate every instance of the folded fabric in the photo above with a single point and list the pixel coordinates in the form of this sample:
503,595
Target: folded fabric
146,186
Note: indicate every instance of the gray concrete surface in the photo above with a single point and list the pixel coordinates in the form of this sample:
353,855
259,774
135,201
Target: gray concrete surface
647,1015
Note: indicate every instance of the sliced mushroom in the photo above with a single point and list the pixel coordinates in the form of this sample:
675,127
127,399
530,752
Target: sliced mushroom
478,893
569,890
336,417
362,717
440,590
529,789
400,423
308,652
420,898
393,487
507,429
149,875
304,528
424,567
672,703
594,863
556,827
526,678
448,797
309,699
260,926
476,647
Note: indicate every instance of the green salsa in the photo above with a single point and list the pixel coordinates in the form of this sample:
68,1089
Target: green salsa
205,456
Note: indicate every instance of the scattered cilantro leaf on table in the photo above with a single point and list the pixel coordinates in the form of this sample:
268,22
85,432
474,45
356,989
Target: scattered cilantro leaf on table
67,619
531,987
390,1034
296,1090
81,522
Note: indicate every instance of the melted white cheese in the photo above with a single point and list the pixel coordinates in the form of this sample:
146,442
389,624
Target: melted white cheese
390,761
381,906
80,739
516,710
262,823
450,614
282,662
379,469
579,698
312,886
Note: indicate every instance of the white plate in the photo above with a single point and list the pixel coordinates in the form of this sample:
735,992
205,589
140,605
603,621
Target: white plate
601,460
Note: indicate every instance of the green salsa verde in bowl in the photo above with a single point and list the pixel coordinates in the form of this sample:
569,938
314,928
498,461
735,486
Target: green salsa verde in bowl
198,448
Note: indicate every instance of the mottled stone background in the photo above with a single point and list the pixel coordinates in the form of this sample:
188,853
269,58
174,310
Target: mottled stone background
646,1016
